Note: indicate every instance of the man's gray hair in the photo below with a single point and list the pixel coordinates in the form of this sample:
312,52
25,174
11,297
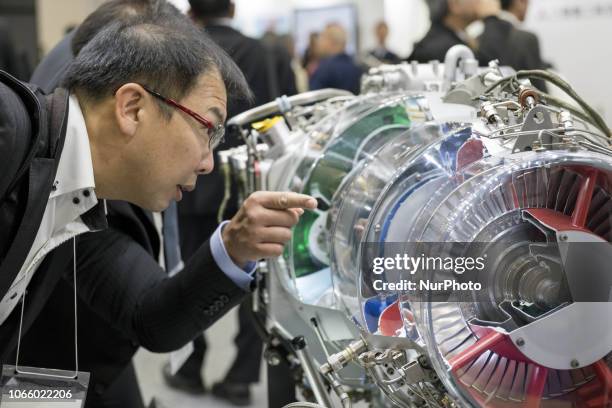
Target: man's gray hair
167,57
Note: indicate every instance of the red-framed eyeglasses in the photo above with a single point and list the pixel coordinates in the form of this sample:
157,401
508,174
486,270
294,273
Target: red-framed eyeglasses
215,133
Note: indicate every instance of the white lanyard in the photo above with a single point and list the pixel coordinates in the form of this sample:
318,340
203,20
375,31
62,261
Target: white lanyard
76,350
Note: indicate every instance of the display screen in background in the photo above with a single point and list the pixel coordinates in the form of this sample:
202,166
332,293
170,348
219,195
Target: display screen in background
315,19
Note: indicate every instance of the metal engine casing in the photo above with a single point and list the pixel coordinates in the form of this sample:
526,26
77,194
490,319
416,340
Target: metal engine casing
436,153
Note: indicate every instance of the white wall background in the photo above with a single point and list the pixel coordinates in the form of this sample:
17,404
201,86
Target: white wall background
576,36
53,16
408,22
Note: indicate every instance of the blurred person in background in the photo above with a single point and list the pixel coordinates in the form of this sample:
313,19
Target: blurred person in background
279,61
336,68
514,11
381,52
449,19
300,74
519,49
10,60
50,72
310,60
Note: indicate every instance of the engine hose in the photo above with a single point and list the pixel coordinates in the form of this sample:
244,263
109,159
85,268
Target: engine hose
570,107
503,81
339,390
304,405
558,81
564,86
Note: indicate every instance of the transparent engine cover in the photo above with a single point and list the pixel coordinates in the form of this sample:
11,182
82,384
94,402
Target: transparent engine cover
438,184
332,150
355,201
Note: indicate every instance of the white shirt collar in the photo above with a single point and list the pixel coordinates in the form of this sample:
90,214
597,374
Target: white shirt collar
75,169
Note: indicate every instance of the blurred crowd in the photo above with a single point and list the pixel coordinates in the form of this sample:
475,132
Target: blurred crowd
326,63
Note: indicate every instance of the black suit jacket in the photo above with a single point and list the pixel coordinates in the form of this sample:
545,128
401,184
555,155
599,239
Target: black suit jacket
439,39
434,45
125,298
280,71
385,56
10,60
337,71
49,74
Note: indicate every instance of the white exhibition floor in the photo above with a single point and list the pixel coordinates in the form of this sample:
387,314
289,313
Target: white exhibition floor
220,355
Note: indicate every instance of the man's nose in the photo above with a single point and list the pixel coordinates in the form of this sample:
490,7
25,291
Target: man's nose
207,164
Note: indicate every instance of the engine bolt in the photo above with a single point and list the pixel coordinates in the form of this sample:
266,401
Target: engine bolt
574,363
272,357
520,342
563,237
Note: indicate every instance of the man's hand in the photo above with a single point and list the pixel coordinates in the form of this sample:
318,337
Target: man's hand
487,8
263,224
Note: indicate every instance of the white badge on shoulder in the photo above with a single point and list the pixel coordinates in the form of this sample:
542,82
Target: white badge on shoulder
32,387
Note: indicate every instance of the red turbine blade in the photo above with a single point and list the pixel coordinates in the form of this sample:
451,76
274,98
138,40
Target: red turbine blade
483,344
535,389
583,202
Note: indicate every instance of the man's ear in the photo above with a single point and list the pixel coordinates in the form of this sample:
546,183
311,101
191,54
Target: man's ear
129,102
